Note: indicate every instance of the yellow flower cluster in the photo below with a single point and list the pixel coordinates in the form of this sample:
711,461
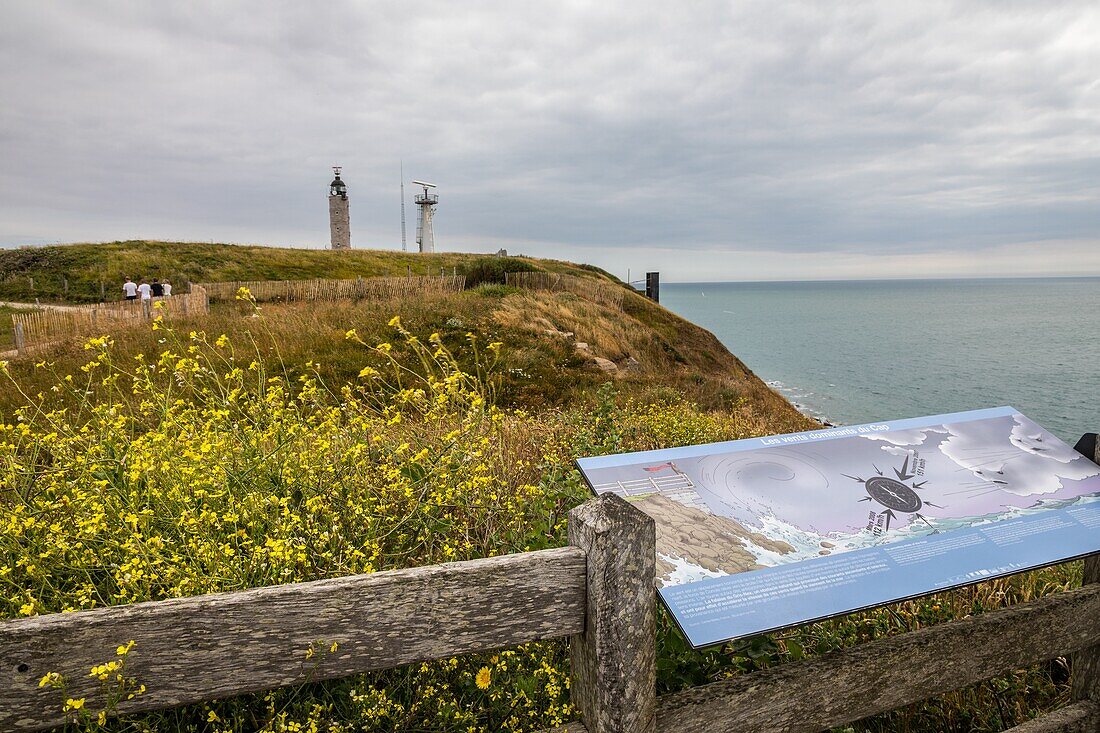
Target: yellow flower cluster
198,471
114,688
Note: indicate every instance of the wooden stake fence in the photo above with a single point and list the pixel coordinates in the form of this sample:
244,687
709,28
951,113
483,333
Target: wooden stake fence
56,324
375,288
587,288
42,327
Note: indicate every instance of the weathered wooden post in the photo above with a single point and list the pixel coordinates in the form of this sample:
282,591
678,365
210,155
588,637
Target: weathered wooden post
1086,663
613,662
20,340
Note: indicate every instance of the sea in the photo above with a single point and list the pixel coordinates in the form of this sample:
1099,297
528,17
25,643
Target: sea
848,352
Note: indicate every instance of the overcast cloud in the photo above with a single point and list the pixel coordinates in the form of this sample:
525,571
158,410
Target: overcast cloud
708,140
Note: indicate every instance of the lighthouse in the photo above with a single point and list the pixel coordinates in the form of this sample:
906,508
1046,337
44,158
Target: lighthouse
339,222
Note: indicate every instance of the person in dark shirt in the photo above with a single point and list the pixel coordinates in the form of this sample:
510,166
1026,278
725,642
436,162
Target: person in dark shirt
158,288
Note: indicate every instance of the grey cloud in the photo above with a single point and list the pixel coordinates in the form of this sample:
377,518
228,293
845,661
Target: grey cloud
876,129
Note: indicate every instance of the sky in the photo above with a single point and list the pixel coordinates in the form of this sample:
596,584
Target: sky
709,141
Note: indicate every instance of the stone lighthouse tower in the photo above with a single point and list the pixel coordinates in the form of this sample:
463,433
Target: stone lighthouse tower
339,223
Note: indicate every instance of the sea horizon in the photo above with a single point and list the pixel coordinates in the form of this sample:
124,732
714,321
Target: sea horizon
883,279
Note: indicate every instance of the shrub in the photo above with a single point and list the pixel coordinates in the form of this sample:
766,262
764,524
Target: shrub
495,291
493,270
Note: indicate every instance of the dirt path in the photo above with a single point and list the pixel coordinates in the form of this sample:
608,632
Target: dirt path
37,306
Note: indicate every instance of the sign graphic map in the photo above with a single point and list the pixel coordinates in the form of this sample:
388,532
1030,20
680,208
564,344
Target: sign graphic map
762,534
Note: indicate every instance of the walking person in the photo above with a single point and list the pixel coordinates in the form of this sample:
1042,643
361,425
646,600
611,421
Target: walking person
158,289
167,289
130,288
145,291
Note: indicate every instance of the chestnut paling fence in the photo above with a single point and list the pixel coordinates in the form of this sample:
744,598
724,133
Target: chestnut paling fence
330,289
598,591
38,328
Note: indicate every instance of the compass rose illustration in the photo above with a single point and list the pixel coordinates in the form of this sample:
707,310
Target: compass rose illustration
894,494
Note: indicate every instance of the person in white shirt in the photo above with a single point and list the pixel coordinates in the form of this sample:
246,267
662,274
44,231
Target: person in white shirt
145,290
167,288
130,288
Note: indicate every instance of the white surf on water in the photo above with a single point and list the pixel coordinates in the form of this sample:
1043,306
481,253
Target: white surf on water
808,545
685,571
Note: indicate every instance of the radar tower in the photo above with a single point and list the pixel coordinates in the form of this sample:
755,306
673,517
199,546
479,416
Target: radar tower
425,236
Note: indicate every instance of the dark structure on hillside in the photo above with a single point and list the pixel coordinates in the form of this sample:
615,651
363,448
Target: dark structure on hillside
653,286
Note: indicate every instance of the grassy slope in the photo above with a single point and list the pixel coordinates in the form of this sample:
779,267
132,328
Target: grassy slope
86,265
675,359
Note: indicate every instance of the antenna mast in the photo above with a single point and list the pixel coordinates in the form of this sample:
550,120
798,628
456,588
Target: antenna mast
403,248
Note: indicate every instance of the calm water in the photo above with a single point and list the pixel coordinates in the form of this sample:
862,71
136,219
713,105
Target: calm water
854,352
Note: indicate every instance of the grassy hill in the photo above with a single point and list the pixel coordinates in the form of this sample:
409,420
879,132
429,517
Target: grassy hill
657,351
88,267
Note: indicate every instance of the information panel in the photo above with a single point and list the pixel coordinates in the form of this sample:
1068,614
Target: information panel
762,534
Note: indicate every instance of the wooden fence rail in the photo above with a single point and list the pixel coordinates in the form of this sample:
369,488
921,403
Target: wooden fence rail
587,288
38,328
853,683
598,591
214,646
329,289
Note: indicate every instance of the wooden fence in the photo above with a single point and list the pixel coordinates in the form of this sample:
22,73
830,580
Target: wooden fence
42,327
587,288
598,591
38,328
324,289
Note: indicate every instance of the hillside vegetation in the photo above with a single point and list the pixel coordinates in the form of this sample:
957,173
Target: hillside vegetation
272,443
87,266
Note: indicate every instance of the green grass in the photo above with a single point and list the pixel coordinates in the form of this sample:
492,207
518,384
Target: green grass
86,266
